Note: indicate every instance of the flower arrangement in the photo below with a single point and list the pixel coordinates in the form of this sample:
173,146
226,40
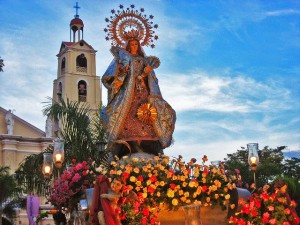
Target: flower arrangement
159,182
67,190
266,208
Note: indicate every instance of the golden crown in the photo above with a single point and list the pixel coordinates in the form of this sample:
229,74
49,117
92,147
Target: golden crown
126,24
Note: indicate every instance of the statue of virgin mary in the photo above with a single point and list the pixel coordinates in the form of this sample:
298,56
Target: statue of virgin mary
136,118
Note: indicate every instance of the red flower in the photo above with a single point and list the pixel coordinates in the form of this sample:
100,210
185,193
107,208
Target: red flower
204,188
145,212
140,178
172,186
125,175
153,179
151,190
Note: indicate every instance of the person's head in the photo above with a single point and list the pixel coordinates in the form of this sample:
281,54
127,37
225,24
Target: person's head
134,47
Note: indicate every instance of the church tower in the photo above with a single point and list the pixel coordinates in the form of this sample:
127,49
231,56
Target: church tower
76,73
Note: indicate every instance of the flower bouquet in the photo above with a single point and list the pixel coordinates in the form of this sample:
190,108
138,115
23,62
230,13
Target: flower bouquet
266,208
160,183
66,191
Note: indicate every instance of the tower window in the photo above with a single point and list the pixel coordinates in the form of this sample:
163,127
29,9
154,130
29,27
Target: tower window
82,91
81,63
63,65
59,89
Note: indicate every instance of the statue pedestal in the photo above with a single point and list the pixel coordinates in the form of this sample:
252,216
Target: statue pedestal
208,216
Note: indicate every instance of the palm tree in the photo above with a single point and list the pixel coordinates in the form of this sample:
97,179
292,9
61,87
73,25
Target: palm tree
29,174
9,190
81,129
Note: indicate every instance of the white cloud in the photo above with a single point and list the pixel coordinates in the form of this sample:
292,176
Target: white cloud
282,12
204,91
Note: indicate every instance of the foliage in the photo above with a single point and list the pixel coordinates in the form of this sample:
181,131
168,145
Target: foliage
1,65
80,128
162,183
291,168
266,207
67,190
270,166
9,189
29,174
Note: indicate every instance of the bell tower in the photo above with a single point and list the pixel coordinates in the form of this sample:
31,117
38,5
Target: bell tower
76,73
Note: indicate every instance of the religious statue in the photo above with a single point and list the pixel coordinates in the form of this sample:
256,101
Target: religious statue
9,122
105,198
48,127
136,118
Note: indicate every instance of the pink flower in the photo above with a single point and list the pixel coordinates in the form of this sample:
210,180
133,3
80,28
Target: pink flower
76,177
271,208
272,221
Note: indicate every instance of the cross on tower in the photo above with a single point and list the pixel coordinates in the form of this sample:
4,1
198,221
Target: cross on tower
76,7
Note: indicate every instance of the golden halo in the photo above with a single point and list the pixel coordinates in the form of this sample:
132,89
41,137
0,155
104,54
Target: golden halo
124,20
147,113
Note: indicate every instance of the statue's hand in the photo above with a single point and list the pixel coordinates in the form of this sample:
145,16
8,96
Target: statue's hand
148,69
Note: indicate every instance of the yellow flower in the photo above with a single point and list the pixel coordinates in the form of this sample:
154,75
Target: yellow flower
136,170
203,180
197,202
208,199
113,163
137,188
183,199
132,179
216,196
213,187
174,177
214,170
170,193
195,195
225,189
135,160
162,183
182,178
174,202
138,183
196,174
119,172
158,194
156,158
180,192
184,184
145,194
148,182
199,189
112,172
217,183
227,196
149,166
188,201
122,166
232,206
186,194
161,167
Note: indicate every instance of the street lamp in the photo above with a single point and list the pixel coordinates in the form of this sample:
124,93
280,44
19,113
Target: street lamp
47,165
253,158
58,153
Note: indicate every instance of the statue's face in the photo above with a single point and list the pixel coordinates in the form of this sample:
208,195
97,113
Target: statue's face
134,45
116,185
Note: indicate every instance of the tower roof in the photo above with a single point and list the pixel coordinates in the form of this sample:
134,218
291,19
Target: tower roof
76,21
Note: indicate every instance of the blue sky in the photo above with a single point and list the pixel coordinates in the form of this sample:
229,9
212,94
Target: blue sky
230,69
